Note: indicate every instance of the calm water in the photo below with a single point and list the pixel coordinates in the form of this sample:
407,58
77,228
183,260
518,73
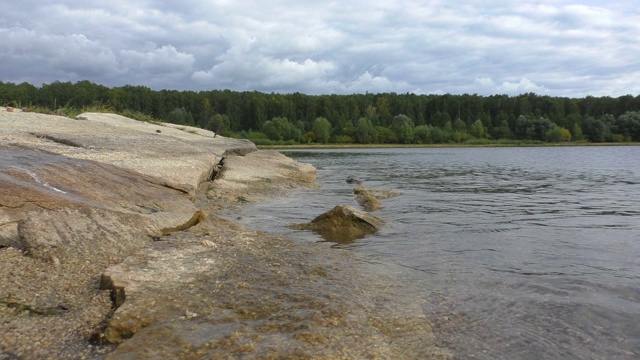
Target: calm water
520,253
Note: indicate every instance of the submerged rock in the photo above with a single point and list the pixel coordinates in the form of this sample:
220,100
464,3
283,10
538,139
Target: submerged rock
366,199
369,199
343,223
353,180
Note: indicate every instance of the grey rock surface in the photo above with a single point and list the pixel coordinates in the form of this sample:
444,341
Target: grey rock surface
181,156
84,234
32,179
252,176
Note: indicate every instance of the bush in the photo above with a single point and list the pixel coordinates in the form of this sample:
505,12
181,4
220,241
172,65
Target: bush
343,139
558,134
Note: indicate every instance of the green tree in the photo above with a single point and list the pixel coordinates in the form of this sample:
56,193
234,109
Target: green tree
402,126
308,137
477,130
180,116
576,132
386,135
322,129
421,134
628,124
219,123
558,134
280,129
459,125
441,118
532,128
501,130
365,132
594,129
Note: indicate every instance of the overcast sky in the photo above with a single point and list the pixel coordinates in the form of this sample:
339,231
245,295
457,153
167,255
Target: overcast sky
568,48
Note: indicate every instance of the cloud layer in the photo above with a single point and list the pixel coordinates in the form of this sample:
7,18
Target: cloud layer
559,48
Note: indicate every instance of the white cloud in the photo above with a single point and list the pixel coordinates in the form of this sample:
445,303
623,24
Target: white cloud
164,60
523,85
565,47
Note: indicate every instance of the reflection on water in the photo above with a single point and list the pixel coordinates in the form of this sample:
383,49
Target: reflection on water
521,253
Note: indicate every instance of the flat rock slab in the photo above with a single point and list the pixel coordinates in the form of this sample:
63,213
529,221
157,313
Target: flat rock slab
257,174
181,156
32,179
84,235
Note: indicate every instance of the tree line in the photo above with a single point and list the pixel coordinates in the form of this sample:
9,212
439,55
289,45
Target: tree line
273,118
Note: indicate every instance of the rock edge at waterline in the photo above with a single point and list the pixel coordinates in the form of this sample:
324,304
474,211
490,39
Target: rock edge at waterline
80,195
133,204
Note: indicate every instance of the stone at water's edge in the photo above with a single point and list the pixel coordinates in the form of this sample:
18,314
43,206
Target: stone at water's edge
343,223
369,199
366,199
252,176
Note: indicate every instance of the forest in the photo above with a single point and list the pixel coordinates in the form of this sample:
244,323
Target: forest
386,118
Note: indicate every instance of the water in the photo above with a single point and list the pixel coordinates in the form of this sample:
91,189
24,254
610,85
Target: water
520,253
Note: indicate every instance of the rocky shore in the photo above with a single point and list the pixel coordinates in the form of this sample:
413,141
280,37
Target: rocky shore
117,240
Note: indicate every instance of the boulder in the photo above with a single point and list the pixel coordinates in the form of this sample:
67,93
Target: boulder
343,224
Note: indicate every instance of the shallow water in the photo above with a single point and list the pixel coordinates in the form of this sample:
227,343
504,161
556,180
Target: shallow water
520,253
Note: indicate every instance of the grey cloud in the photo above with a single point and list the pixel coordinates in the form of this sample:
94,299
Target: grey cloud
566,48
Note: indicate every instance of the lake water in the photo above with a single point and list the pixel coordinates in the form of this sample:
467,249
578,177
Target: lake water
520,253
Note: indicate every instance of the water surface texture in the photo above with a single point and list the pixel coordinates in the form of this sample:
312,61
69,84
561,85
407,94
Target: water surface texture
520,253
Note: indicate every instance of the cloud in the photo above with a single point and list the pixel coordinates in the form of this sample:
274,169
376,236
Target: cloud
156,66
564,47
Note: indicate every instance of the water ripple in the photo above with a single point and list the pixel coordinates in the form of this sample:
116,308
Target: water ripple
522,253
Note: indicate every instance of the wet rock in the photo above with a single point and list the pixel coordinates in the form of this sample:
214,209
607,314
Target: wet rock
352,180
343,223
259,296
369,199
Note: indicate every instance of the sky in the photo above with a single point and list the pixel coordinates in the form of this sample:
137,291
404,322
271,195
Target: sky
571,48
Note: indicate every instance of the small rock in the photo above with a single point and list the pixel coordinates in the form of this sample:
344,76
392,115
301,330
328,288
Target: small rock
189,314
343,224
353,180
208,243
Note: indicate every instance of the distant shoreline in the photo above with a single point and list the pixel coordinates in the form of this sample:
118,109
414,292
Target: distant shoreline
392,146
